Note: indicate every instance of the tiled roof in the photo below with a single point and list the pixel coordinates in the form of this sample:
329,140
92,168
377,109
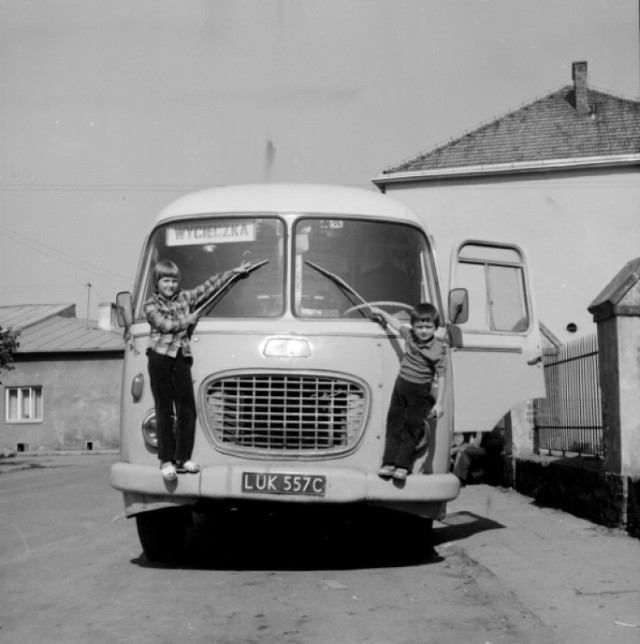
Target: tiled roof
23,315
50,328
550,128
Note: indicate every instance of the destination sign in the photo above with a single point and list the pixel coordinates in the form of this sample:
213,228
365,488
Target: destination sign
210,232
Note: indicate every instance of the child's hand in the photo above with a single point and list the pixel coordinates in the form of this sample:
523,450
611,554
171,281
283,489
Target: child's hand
378,316
436,412
243,269
192,318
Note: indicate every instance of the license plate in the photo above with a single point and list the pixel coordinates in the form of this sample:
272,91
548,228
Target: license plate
274,483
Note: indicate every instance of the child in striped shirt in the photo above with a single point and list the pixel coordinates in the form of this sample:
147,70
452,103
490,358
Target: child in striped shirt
424,361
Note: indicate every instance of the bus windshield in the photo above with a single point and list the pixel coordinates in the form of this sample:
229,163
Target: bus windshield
341,263
338,264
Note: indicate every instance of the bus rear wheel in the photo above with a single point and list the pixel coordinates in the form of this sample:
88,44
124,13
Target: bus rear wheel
162,532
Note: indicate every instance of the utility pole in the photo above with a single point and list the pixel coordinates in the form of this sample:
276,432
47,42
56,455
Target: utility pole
88,301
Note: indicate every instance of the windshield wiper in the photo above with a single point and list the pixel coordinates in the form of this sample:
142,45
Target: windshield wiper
216,296
346,289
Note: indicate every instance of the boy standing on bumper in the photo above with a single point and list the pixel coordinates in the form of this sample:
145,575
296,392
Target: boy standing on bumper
424,361
169,312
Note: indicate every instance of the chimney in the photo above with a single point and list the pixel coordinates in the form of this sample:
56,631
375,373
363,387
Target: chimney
580,93
107,320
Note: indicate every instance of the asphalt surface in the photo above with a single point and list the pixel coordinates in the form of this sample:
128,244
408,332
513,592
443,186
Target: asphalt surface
580,579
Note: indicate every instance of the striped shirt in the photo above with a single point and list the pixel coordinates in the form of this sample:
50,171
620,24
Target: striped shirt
422,362
168,318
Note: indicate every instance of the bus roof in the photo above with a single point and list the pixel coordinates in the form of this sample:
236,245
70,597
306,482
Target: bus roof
274,197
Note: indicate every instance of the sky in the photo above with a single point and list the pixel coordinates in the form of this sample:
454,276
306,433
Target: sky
111,110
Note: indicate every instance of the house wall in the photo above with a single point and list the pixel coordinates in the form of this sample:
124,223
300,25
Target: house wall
577,228
81,401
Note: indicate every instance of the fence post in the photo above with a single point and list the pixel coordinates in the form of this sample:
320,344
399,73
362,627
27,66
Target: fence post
616,311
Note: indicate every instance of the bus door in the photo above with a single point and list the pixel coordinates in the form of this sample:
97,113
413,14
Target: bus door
499,362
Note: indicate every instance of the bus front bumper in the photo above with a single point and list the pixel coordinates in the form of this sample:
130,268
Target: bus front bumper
145,489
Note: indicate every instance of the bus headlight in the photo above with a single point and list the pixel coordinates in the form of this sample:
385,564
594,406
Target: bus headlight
150,429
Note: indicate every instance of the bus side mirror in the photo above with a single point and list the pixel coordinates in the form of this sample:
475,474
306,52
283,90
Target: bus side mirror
458,305
124,309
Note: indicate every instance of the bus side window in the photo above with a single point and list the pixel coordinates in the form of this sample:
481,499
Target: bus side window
494,278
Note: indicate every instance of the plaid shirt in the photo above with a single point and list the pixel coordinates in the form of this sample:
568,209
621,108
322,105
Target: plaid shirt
168,318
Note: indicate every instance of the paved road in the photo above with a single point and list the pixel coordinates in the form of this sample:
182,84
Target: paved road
72,571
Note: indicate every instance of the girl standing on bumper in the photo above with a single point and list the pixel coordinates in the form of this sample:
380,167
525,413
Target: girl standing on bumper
169,312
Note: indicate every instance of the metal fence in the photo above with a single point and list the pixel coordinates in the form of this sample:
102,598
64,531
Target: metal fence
569,419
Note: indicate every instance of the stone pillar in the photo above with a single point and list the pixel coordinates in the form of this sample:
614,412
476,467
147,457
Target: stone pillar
522,430
616,311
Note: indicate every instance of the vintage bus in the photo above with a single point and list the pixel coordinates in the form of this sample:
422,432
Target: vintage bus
292,375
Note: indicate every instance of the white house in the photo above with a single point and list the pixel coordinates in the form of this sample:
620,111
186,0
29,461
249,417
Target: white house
560,176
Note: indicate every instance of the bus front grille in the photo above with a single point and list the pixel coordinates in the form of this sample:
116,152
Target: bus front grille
293,414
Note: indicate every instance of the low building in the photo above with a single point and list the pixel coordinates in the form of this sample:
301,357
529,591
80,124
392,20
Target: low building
64,390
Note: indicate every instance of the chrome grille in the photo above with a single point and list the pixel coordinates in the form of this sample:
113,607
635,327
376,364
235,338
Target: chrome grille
287,413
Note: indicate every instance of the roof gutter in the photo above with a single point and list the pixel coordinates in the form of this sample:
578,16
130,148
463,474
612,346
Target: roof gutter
577,163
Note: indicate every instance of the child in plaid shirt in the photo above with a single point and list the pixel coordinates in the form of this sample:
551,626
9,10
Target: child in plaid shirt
169,312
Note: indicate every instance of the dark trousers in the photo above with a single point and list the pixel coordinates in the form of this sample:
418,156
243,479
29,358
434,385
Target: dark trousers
408,410
466,459
172,388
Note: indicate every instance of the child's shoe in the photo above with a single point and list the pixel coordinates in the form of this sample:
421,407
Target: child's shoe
188,467
386,471
168,471
400,474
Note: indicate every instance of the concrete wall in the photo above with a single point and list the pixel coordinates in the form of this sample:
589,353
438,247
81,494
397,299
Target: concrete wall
582,487
81,401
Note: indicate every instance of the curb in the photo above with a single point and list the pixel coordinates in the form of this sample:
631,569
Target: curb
49,453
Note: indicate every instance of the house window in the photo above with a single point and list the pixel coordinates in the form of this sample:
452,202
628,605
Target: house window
23,404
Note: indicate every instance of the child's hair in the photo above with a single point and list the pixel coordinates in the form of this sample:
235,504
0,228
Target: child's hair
425,312
165,268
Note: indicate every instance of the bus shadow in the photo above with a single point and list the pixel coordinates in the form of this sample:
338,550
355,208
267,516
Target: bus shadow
304,540
461,525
